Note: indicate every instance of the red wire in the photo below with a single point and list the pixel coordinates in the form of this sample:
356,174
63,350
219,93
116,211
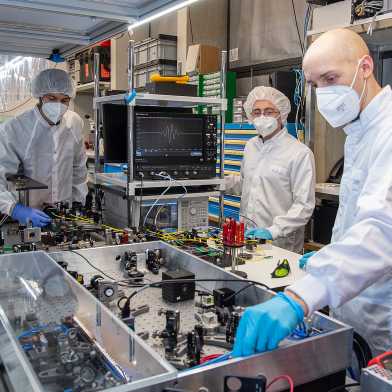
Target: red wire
283,377
209,358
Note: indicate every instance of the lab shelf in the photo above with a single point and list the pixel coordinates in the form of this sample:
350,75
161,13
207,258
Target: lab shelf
120,179
144,99
89,87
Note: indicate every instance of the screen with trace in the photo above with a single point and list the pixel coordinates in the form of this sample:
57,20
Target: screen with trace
169,136
182,145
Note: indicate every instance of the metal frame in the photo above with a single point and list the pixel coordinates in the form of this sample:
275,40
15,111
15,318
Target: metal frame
37,27
144,99
120,180
307,360
222,136
131,63
157,100
96,112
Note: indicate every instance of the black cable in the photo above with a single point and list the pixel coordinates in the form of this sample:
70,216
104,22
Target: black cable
296,24
125,310
119,300
131,286
238,292
342,387
92,265
362,350
119,282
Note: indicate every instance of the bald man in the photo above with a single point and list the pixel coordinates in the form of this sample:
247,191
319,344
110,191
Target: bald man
353,274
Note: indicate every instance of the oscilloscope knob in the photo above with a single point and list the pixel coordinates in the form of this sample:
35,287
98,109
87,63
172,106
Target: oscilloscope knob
187,173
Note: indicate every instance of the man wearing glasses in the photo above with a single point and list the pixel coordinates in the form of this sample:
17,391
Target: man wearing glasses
277,179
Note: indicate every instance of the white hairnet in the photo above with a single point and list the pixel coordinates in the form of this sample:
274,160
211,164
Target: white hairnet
271,94
52,81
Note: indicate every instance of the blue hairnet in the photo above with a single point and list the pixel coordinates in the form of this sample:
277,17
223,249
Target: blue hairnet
53,81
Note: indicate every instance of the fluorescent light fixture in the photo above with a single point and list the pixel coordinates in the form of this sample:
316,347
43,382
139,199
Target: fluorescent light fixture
166,11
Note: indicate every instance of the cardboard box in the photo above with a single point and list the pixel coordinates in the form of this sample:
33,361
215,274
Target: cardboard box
202,59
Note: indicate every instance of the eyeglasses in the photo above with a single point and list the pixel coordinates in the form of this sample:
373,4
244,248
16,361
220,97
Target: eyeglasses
266,112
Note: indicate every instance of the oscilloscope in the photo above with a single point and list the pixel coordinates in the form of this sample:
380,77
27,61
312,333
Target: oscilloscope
182,145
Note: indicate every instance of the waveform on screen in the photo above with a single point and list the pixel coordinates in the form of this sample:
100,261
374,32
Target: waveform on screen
170,133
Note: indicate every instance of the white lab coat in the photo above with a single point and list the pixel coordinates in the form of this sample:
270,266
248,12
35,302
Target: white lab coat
277,187
354,273
54,156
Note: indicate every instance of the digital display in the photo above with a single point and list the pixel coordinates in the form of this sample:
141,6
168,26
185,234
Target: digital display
169,136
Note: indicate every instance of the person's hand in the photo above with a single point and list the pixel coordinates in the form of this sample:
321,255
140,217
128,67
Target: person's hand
259,233
25,214
303,261
263,326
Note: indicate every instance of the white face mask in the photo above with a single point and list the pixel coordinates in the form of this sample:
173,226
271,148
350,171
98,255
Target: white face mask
340,104
265,125
54,111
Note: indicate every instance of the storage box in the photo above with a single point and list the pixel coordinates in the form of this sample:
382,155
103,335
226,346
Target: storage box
170,88
162,67
152,49
202,59
86,60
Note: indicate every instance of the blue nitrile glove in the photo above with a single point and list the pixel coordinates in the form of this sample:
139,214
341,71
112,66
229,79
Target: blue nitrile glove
259,233
303,261
25,214
263,326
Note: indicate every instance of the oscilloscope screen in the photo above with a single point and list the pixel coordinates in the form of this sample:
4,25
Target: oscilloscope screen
169,136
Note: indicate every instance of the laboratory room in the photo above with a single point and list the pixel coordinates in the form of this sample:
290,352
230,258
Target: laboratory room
196,196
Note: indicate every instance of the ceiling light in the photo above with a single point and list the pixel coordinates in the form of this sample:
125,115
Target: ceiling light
161,13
